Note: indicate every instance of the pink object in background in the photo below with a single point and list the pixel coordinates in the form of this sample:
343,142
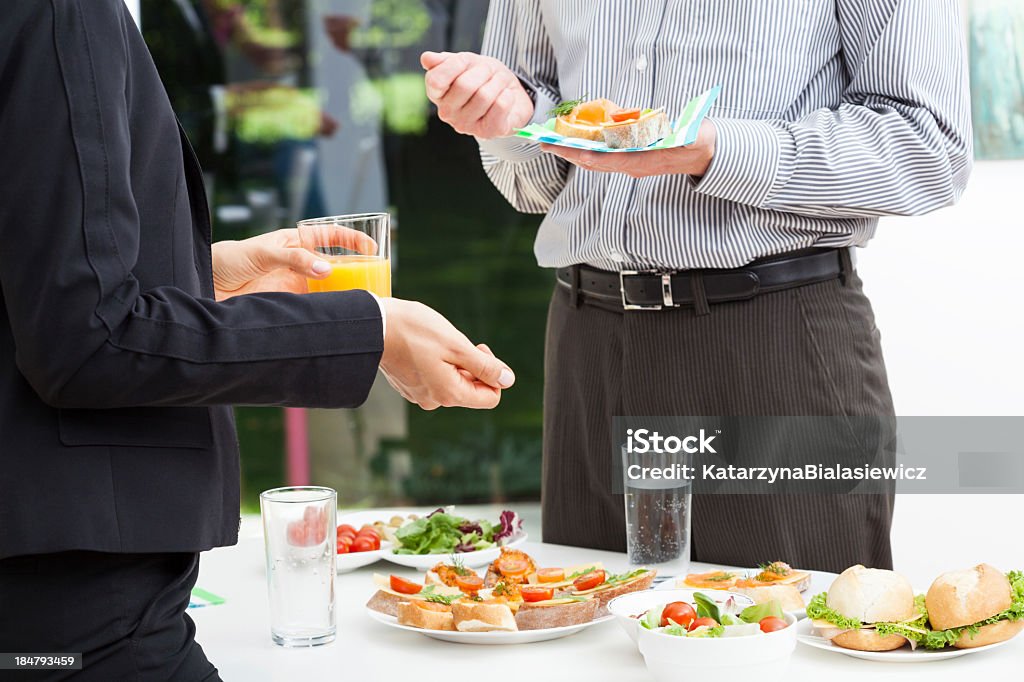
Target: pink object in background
296,443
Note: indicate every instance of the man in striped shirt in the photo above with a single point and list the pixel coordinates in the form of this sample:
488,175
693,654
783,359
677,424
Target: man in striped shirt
832,114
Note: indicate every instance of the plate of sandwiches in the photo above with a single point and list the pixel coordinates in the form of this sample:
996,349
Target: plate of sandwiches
514,601
775,581
874,614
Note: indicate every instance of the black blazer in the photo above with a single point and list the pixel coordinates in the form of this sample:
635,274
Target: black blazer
116,365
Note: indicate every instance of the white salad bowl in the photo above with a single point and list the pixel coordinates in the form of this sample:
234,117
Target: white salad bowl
676,659
625,607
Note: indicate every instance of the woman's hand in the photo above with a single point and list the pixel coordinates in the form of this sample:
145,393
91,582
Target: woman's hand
274,261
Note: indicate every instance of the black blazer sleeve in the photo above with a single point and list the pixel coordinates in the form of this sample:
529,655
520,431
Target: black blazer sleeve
87,333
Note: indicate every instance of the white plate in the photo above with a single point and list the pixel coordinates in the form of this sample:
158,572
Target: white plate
519,637
353,560
477,559
820,582
904,655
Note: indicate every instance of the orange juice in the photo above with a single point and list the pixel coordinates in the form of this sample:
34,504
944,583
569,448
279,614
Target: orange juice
355,272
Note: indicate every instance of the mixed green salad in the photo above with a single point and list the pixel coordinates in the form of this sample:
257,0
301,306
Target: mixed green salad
708,618
442,532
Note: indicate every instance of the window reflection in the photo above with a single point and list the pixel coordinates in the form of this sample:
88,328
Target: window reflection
305,108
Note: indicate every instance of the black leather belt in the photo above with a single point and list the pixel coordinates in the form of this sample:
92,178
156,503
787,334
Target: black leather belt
652,290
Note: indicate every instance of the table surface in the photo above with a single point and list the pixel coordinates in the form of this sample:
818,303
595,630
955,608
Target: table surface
236,637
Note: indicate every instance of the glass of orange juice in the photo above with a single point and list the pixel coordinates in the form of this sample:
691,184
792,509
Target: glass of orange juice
358,247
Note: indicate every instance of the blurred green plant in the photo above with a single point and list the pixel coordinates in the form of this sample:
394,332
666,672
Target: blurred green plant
273,114
393,24
399,101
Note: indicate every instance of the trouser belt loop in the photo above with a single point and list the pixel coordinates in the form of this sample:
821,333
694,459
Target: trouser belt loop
574,286
845,265
700,297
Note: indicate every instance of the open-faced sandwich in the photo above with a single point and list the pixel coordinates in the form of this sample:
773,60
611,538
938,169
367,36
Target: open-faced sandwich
601,120
513,595
776,581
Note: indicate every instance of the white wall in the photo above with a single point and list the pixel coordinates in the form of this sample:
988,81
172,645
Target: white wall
948,289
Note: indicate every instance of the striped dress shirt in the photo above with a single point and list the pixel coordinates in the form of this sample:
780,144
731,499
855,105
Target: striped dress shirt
832,114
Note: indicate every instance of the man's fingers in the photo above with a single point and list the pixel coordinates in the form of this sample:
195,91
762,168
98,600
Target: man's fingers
429,60
440,78
472,394
485,367
484,98
299,261
465,86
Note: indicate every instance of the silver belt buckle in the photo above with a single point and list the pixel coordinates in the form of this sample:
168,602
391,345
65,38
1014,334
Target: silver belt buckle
666,290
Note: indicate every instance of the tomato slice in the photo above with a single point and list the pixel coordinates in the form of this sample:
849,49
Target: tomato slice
403,586
550,575
702,622
588,581
536,593
363,544
431,606
679,612
469,583
513,568
625,115
772,624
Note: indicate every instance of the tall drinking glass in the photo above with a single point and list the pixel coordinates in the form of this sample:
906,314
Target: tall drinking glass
358,247
657,516
299,534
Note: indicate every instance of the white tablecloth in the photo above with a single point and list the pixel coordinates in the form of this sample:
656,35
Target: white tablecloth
236,637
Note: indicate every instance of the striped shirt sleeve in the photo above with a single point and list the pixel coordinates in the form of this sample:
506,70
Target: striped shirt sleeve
899,143
529,179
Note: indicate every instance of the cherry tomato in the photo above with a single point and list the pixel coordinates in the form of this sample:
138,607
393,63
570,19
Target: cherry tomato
363,544
550,575
536,593
513,567
772,624
700,622
403,586
368,531
345,528
346,540
376,542
625,115
588,581
679,612
342,548
469,583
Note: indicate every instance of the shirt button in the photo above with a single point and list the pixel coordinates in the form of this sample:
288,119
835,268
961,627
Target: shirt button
641,62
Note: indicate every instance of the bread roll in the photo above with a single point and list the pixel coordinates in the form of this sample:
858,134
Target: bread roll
872,595
960,598
868,640
990,634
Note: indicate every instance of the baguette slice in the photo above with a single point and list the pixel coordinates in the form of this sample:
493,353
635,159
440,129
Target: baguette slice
475,617
415,615
386,600
581,130
605,593
642,132
555,613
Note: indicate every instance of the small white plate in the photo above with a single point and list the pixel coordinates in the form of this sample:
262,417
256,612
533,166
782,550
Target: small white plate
353,560
905,655
820,582
477,559
518,637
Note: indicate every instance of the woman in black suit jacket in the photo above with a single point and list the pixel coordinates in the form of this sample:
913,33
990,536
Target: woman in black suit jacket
123,343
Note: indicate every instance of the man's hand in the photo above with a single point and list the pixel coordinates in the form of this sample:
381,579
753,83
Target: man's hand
476,95
432,364
692,160
274,261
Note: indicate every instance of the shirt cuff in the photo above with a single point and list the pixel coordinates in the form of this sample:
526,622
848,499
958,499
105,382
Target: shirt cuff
383,315
745,168
512,148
